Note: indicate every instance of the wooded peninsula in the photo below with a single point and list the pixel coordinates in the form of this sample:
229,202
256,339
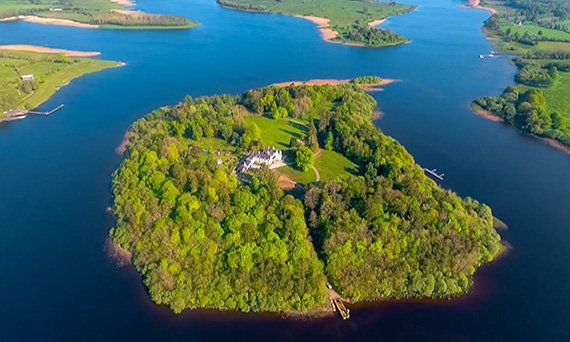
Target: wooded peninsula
352,22
206,228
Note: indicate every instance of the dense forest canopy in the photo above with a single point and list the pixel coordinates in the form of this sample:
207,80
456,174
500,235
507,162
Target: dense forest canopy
203,237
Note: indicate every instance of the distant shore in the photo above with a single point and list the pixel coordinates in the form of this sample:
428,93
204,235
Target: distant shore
49,21
367,87
126,3
329,35
475,4
43,49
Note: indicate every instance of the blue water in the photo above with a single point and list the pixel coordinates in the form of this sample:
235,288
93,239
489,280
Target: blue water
56,283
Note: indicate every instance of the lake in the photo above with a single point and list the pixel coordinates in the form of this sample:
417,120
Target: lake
57,283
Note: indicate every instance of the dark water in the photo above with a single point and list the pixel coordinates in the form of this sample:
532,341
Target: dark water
55,281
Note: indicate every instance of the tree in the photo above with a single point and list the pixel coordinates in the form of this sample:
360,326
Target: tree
312,138
558,120
251,135
304,158
329,141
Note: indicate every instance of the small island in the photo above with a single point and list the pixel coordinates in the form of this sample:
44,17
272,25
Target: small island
90,14
350,22
539,102
30,75
287,199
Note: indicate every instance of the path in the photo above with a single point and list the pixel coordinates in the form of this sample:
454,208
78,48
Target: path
317,174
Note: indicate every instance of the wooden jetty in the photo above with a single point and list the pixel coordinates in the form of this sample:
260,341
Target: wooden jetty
47,113
434,173
337,303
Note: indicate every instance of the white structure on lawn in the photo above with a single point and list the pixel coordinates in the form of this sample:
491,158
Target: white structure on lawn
29,77
255,159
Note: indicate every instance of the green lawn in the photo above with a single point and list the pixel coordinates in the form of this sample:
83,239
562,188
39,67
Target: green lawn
332,164
298,176
278,132
558,95
534,30
554,46
51,71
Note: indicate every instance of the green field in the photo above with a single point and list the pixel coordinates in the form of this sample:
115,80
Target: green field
278,132
50,71
332,164
556,46
535,29
344,15
558,95
98,12
298,176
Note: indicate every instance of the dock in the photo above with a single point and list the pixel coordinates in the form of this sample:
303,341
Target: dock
47,113
434,173
337,303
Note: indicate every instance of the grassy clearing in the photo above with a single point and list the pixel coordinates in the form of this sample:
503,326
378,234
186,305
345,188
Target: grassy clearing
298,176
557,96
278,132
535,29
50,72
554,46
332,164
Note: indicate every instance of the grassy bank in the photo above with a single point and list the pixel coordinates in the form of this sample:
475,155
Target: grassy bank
51,71
348,19
103,13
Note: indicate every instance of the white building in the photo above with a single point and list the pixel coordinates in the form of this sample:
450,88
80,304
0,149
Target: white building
255,159
29,77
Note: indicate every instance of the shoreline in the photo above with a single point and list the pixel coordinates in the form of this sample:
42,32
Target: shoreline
43,49
329,35
474,4
122,148
375,23
487,115
125,3
49,21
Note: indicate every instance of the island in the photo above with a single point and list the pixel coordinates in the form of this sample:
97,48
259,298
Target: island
89,14
30,75
286,199
350,22
539,102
